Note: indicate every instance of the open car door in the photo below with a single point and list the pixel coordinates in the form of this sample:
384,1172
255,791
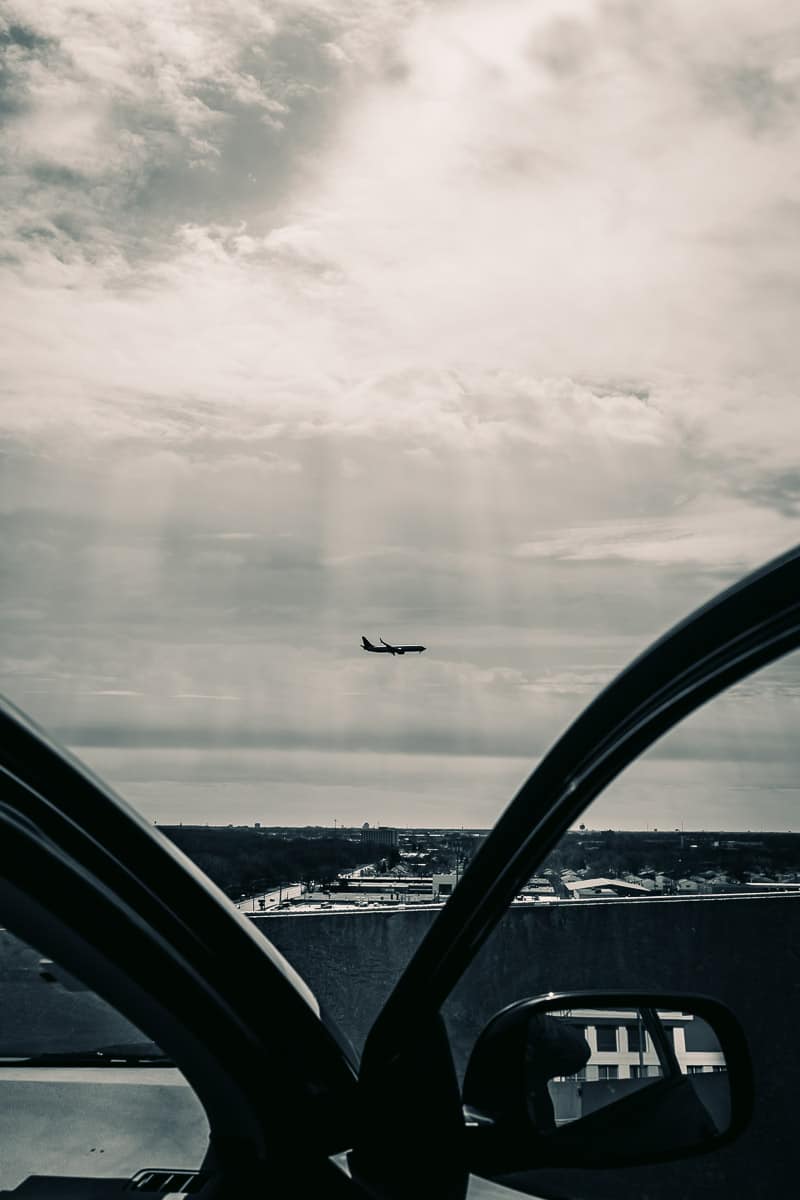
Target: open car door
416,1136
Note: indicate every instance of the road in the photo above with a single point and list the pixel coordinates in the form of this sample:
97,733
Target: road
286,891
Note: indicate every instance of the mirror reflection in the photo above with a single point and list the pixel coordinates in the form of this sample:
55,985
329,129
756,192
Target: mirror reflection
655,1075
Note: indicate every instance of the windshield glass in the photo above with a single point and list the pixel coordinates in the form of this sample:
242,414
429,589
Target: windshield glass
379,379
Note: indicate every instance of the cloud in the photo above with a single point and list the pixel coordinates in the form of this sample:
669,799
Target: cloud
731,536
131,117
298,787
113,692
365,298
463,324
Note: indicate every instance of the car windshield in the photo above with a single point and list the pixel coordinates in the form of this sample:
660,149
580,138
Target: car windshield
378,381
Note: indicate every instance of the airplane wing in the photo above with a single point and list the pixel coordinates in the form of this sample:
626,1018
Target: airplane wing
402,649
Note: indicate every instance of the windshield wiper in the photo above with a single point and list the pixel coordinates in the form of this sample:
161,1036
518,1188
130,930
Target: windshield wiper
135,1054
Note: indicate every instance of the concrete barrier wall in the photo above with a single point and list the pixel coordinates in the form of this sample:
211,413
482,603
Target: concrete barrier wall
744,951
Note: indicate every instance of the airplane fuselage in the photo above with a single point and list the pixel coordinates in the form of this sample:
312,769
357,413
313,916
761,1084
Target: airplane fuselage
387,648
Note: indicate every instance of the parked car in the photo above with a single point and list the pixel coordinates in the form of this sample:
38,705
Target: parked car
246,1071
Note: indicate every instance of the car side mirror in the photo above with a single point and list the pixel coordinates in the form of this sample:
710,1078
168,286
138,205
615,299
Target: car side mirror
605,1079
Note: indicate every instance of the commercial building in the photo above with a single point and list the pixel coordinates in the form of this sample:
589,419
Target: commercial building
622,1049
623,1058
380,836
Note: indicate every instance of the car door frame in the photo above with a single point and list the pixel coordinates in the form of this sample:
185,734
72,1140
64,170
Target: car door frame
747,626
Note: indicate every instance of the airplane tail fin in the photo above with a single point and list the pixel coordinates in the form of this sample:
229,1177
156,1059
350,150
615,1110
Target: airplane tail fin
366,644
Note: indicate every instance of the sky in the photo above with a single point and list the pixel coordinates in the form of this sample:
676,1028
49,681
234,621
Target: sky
464,324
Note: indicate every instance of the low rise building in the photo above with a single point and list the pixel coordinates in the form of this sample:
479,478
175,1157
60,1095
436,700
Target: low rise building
586,888
442,885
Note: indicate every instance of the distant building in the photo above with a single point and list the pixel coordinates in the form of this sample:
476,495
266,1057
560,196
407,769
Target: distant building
382,836
538,890
580,888
442,885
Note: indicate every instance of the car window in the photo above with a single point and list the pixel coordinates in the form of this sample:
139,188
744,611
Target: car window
83,1092
682,877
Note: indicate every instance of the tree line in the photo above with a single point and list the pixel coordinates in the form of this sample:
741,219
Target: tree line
244,861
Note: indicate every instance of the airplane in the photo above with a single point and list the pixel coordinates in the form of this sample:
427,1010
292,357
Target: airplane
385,648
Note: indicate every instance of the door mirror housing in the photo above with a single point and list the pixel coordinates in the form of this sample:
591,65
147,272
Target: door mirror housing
605,1079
